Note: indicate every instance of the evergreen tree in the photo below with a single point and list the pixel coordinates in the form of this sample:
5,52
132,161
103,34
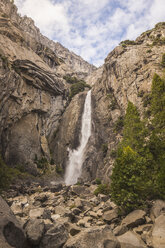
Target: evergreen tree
131,177
157,137
128,187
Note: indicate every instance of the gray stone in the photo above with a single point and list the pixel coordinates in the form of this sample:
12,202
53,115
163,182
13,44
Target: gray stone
119,230
110,215
35,230
135,218
158,232
93,238
131,240
11,233
55,237
157,209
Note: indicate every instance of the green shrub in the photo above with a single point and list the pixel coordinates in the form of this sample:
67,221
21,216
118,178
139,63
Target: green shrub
5,175
70,80
141,93
113,153
146,99
163,60
98,181
149,51
104,148
127,42
52,161
118,125
77,87
102,189
42,163
129,180
59,170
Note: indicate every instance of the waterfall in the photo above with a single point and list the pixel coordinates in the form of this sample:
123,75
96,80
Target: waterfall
76,157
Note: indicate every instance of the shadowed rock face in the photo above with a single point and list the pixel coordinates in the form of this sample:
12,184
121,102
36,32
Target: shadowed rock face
11,234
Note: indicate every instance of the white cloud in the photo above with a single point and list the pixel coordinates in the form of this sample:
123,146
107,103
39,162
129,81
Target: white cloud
92,28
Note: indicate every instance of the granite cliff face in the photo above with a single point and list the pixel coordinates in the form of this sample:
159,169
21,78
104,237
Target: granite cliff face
33,94
73,63
127,76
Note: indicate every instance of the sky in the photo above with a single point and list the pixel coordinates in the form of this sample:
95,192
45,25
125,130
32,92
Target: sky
92,28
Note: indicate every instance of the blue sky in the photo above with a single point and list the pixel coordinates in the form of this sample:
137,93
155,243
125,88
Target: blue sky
92,28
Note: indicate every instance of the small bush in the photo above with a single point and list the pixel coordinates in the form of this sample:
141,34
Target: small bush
98,181
102,189
113,153
127,42
59,170
77,87
42,163
113,105
104,148
140,93
71,80
163,60
118,125
149,51
52,161
146,100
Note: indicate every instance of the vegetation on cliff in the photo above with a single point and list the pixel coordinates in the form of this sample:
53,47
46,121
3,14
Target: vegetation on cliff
139,169
77,85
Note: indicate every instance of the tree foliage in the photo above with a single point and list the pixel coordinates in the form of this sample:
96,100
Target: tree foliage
139,168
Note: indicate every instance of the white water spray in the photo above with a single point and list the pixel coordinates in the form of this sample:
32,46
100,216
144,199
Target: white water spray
76,157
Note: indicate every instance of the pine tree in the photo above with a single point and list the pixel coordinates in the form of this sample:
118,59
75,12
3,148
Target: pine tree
157,138
131,178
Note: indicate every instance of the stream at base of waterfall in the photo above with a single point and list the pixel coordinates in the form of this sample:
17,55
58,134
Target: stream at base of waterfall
76,157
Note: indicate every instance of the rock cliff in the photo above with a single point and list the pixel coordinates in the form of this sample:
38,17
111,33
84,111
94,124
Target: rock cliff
33,92
127,76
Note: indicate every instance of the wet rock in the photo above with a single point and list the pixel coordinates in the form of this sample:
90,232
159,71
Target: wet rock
35,230
135,218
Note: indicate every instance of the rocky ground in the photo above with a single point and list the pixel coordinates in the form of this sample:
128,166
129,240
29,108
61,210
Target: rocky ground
74,217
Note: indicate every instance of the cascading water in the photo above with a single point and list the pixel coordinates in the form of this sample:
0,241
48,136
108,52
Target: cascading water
76,157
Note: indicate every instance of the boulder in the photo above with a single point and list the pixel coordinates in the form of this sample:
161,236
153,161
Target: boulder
158,232
157,209
62,211
40,213
134,219
131,240
35,230
80,190
93,238
55,237
119,230
11,233
110,215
